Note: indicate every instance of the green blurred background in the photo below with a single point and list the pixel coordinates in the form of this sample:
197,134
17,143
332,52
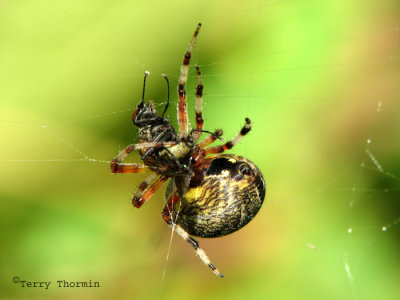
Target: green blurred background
320,82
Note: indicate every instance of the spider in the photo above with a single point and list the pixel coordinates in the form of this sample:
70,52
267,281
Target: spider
210,194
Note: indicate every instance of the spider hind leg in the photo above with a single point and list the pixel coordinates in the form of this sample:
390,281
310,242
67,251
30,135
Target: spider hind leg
200,252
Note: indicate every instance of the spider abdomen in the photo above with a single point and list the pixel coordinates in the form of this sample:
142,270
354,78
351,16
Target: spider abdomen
223,196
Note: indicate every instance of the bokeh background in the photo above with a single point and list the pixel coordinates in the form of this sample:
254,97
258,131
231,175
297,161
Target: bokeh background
319,80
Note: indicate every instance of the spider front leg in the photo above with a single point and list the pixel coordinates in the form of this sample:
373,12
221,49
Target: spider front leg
182,105
228,145
144,192
168,218
117,167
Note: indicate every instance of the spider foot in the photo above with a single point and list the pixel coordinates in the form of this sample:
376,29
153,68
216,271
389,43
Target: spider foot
137,202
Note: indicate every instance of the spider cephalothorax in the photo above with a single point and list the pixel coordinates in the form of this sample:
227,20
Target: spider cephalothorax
210,194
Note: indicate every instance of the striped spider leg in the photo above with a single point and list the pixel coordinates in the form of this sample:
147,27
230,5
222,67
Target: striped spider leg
168,218
228,145
182,104
198,106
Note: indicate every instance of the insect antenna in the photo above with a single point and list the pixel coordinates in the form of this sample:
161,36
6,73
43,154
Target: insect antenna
166,105
146,73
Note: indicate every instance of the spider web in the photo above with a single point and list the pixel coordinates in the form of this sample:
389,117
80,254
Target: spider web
330,159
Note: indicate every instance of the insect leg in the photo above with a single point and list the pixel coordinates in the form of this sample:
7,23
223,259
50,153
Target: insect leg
182,105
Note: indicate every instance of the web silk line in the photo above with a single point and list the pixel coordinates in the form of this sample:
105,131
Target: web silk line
59,138
349,276
86,27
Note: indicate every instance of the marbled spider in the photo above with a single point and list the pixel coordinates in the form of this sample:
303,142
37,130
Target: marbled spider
210,194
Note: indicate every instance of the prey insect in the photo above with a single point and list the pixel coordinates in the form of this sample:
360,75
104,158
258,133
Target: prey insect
210,194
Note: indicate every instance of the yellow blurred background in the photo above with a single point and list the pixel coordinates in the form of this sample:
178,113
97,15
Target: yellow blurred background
318,79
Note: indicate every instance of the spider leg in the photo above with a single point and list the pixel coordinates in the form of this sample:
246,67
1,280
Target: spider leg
211,138
142,186
168,215
144,193
129,168
199,105
228,145
182,105
200,252
117,167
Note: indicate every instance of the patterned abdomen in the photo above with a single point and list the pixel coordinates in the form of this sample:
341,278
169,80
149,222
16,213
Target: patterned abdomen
224,195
